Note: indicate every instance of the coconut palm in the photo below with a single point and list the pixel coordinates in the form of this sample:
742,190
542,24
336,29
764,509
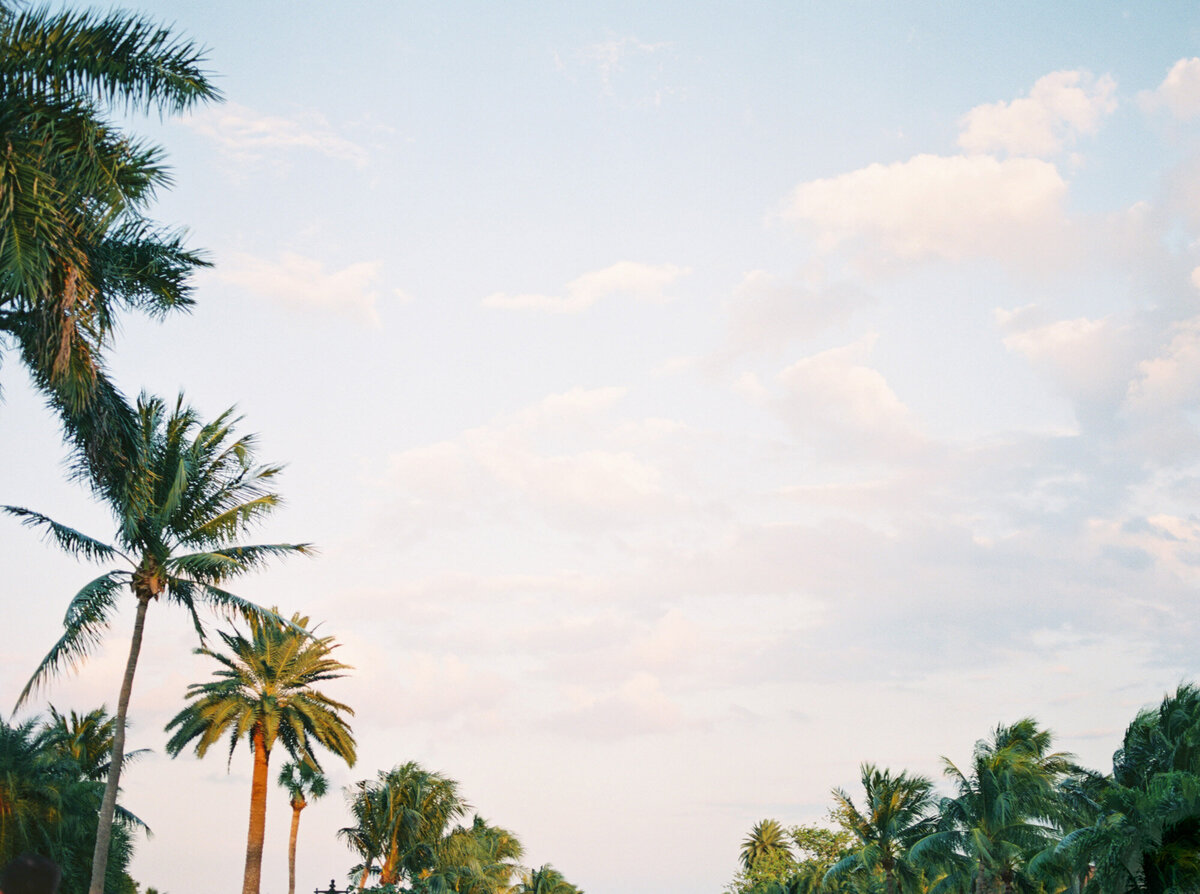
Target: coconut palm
545,880
1006,812
304,783
189,492
75,243
898,811
86,739
400,818
1146,833
263,693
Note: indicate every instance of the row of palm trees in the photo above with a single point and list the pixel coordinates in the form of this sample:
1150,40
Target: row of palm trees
76,248
1020,817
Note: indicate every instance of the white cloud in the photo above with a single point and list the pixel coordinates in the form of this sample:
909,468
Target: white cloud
847,409
250,136
1180,90
298,281
637,707
1061,105
767,311
1171,380
561,458
644,282
931,206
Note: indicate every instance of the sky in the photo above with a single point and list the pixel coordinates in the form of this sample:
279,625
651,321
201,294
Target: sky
689,401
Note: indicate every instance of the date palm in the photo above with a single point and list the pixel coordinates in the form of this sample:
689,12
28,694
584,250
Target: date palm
304,783
898,811
189,492
263,693
767,840
76,245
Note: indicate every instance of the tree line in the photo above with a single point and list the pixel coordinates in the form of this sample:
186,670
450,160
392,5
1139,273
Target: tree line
77,249
1019,817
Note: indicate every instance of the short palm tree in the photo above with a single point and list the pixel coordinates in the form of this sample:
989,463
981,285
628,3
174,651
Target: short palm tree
188,494
304,783
545,880
263,693
75,243
767,840
898,811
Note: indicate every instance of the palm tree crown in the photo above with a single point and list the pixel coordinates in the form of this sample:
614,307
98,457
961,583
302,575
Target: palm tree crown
263,693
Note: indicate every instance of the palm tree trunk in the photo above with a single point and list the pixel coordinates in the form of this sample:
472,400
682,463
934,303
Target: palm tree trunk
297,806
258,815
108,806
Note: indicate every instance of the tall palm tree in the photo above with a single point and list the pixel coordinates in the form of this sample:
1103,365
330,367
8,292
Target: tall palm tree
767,840
75,243
263,693
1006,812
304,783
898,812
400,817
186,496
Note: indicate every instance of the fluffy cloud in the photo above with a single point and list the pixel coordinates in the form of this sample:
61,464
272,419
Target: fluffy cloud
937,207
1061,105
1179,92
845,408
644,282
298,281
250,136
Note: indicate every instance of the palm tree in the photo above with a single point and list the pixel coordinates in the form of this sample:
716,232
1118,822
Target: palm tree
48,805
898,812
1145,836
303,782
75,242
86,739
400,817
477,859
1006,812
264,693
767,840
184,499
546,880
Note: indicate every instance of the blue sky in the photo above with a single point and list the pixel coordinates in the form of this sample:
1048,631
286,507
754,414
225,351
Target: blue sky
690,402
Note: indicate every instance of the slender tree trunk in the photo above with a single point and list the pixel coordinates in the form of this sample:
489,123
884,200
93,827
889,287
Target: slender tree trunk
298,804
889,879
258,815
108,806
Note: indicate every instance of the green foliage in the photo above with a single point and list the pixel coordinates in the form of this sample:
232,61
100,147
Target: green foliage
76,245
49,804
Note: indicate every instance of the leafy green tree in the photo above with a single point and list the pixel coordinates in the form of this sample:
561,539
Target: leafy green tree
1006,811
263,693
476,859
189,492
400,817
1146,833
76,245
86,739
898,811
303,782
